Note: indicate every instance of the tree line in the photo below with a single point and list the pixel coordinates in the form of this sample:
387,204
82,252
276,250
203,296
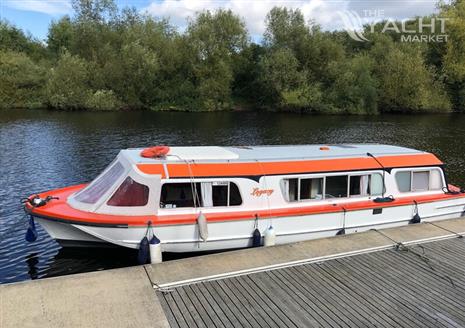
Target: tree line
105,58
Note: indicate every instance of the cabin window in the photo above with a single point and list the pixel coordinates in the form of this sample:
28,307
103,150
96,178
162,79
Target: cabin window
209,194
130,193
376,184
435,180
419,180
220,193
293,189
404,181
336,186
358,185
93,192
365,185
297,189
311,188
174,195
303,189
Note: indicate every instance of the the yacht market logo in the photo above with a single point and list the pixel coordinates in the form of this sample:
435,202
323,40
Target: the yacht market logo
419,29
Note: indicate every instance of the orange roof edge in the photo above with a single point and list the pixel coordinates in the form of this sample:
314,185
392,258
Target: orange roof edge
289,167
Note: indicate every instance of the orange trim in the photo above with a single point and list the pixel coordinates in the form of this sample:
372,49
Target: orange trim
152,169
263,168
60,210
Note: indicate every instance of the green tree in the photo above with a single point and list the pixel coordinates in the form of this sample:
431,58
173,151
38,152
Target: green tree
12,38
354,88
60,35
68,85
214,39
285,85
454,57
21,81
406,83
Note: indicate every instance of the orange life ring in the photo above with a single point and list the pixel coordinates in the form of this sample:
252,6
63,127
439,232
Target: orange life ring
155,152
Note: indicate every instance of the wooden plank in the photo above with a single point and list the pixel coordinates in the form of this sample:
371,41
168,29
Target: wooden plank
307,308
210,302
171,310
248,313
254,308
183,309
289,300
228,305
348,298
204,307
380,296
438,286
325,291
251,289
283,306
402,282
307,299
349,301
426,297
197,311
391,303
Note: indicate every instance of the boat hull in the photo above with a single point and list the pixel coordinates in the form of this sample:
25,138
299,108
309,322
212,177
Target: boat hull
233,234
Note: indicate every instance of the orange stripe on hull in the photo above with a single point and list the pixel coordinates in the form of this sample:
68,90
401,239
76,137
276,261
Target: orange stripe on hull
60,210
269,168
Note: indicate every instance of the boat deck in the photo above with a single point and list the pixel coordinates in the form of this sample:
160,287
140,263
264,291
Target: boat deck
417,286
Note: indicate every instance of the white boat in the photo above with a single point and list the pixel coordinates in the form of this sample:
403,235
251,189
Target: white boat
212,198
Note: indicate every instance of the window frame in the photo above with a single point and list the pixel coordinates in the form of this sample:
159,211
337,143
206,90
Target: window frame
419,170
298,188
120,185
285,193
228,182
194,200
347,188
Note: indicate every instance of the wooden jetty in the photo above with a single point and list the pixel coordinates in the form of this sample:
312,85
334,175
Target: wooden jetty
400,277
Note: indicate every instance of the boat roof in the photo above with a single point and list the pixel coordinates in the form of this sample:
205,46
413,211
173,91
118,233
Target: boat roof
269,153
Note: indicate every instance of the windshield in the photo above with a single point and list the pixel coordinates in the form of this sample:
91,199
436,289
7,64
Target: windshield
92,193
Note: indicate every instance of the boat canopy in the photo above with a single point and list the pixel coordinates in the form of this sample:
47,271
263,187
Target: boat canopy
120,189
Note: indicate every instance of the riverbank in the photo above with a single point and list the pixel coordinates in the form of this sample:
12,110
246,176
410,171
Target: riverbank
116,58
145,296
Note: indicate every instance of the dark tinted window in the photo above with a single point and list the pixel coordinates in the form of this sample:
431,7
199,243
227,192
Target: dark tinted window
293,190
130,193
179,195
234,195
311,188
220,195
336,186
354,188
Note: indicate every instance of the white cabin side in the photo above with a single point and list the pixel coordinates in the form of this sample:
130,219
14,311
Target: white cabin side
123,189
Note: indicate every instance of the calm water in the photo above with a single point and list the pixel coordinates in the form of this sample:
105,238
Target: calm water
41,150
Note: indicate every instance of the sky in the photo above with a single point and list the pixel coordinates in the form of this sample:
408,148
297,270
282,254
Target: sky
34,16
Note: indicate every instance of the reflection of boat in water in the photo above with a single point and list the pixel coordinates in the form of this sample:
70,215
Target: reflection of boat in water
212,198
70,260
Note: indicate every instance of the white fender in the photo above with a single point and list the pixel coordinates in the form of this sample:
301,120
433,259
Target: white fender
155,250
203,226
270,237
155,253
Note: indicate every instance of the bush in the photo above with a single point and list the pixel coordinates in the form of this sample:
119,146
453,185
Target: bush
103,100
21,81
68,83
